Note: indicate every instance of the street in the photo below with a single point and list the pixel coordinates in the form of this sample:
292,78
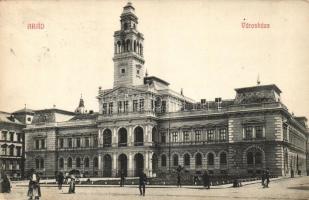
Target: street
281,189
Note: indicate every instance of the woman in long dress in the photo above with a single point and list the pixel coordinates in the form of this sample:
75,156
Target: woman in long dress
72,184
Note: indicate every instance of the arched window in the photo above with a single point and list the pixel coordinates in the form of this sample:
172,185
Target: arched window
198,159
86,162
186,159
210,159
250,158
107,138
69,162
223,160
61,163
175,160
258,158
95,162
163,160
78,162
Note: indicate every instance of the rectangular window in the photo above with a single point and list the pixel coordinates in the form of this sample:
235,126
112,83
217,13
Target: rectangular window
259,132
135,105
198,135
163,138
110,108
104,108
163,107
42,143
11,136
175,136
11,151
222,134
19,137
186,136
70,143
119,104
78,142
211,135
87,142
4,151
248,132
152,105
61,142
95,141
126,106
18,151
141,104
3,135
37,144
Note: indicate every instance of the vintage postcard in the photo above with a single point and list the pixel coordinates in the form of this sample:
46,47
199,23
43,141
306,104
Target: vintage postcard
162,99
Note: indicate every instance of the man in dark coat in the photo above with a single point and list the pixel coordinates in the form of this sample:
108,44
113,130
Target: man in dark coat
267,177
142,183
206,180
178,170
60,180
122,175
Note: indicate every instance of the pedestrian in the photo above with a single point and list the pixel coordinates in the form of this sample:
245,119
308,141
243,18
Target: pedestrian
292,173
206,180
179,168
60,180
267,177
34,190
122,178
195,179
142,183
263,178
72,184
6,184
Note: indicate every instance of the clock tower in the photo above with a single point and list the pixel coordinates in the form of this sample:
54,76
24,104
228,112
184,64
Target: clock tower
128,56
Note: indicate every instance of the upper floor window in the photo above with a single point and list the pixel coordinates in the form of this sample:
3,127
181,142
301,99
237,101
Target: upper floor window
249,132
126,106
12,136
70,143
222,134
175,136
163,137
95,141
87,142
77,142
198,135
42,143
211,135
3,135
110,108
135,105
141,104
104,108
19,137
186,136
37,144
61,143
18,151
163,107
119,106
258,131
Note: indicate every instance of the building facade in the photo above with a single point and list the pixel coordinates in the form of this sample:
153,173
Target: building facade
143,125
12,144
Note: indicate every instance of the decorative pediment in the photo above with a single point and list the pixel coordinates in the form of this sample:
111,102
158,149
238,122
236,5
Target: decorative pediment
122,92
253,121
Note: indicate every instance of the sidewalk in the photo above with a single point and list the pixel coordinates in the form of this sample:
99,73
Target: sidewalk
49,183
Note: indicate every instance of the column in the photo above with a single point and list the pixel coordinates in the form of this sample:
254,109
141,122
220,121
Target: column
114,138
243,133
114,171
146,162
130,169
100,165
263,131
253,132
150,164
130,140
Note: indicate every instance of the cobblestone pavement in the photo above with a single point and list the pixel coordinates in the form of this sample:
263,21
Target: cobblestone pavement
281,189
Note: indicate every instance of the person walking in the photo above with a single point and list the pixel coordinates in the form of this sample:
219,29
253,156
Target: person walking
267,177
60,180
206,180
142,183
72,184
122,178
34,190
179,176
6,184
263,178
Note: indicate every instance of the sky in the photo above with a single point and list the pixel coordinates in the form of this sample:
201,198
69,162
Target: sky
196,45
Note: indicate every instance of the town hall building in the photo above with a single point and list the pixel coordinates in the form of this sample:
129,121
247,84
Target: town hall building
143,125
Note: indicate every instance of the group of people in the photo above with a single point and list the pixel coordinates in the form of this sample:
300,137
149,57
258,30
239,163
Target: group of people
5,183
265,178
61,179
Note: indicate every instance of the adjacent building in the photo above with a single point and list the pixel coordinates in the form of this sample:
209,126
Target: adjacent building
143,125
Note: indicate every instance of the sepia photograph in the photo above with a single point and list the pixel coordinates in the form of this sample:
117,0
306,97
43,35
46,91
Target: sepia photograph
154,99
